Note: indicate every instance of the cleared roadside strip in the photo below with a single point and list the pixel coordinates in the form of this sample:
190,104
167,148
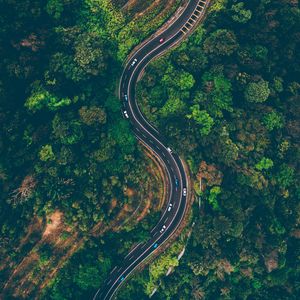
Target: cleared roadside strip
152,243
117,280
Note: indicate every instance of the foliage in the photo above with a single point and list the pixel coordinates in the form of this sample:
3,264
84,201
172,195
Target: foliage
241,122
212,198
221,42
64,145
172,106
273,120
264,164
241,15
257,91
202,118
46,153
42,98
226,100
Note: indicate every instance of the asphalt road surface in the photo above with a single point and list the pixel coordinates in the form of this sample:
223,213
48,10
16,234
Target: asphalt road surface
146,133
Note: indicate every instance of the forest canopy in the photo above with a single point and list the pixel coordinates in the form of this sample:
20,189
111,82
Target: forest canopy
72,173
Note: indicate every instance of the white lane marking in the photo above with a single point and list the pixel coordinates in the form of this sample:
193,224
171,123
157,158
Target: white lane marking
113,270
109,282
171,184
156,240
122,274
140,72
132,250
149,246
151,134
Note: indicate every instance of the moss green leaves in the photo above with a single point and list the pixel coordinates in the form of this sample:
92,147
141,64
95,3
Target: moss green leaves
202,118
41,98
46,153
240,14
257,91
221,42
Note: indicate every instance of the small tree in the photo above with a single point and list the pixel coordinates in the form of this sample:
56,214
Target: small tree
212,198
264,164
240,14
41,98
273,120
172,106
221,42
92,115
257,91
46,153
202,118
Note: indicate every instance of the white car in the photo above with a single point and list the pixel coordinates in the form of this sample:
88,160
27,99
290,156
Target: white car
126,97
184,192
170,206
126,114
163,229
169,150
133,62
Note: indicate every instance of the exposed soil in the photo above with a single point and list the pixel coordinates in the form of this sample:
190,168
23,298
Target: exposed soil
53,223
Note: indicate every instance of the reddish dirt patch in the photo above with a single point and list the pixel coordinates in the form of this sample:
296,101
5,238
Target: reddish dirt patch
144,212
129,192
113,204
53,223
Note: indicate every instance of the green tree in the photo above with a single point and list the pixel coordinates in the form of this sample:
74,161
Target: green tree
65,64
285,176
257,91
273,121
55,8
41,98
90,54
213,195
278,84
68,132
171,107
121,133
180,80
218,96
221,43
202,118
240,14
92,115
88,277
264,164
46,153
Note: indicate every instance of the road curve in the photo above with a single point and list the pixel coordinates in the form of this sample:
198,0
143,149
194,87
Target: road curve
150,137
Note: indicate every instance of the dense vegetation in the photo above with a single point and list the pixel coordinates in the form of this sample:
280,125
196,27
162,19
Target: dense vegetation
64,145
228,101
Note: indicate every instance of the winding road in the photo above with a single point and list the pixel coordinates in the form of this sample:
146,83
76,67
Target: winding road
151,138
